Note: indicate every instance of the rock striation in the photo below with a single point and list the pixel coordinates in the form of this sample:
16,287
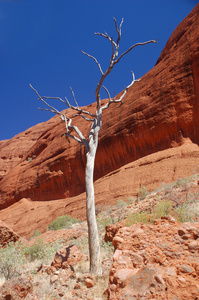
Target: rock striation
159,112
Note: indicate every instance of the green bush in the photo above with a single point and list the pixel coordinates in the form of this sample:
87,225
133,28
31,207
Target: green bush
187,212
11,260
120,203
62,222
108,246
182,181
40,250
162,208
137,217
36,233
36,250
130,200
142,193
104,221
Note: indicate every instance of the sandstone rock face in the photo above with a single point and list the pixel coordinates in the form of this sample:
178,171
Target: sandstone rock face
151,171
7,235
157,261
158,112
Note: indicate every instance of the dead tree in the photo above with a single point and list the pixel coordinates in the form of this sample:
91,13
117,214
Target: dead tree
91,142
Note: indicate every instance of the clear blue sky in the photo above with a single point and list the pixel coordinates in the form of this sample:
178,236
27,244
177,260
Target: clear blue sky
41,43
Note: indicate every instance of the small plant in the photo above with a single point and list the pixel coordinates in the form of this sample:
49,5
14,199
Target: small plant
142,193
130,200
103,222
187,212
120,203
137,217
162,208
11,260
36,250
182,181
39,250
108,246
36,233
62,222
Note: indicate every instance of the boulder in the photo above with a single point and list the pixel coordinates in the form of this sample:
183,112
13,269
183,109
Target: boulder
7,235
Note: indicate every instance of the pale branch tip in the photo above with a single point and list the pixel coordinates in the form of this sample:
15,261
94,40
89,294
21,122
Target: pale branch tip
91,56
74,97
113,100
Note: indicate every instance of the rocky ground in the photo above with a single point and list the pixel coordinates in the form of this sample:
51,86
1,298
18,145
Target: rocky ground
146,252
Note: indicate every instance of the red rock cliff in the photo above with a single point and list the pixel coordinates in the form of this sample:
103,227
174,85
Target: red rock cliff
157,113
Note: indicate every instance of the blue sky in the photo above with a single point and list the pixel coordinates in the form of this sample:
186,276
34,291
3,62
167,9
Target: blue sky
41,43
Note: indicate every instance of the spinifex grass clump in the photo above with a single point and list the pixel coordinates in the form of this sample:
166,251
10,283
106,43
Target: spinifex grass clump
15,257
63,222
11,260
161,209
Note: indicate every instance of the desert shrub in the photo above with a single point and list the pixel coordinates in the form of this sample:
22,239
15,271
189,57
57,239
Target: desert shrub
120,203
137,217
108,246
62,222
142,193
162,208
36,250
36,233
182,181
11,260
103,222
187,212
39,250
130,200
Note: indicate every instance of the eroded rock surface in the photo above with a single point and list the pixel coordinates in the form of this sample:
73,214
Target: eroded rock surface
7,235
157,261
18,288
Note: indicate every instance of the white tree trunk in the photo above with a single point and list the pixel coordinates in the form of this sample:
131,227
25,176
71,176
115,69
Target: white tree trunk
93,237
92,143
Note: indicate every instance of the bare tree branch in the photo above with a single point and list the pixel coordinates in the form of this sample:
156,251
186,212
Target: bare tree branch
109,96
119,31
114,60
113,100
54,110
84,117
82,140
94,60
74,97
105,35
135,45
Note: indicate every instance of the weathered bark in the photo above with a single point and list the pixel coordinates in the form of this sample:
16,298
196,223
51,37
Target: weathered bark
93,237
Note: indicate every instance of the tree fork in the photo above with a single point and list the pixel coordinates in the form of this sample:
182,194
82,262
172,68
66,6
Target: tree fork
91,142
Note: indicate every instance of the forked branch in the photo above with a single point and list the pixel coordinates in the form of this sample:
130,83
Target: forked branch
113,100
114,60
69,128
